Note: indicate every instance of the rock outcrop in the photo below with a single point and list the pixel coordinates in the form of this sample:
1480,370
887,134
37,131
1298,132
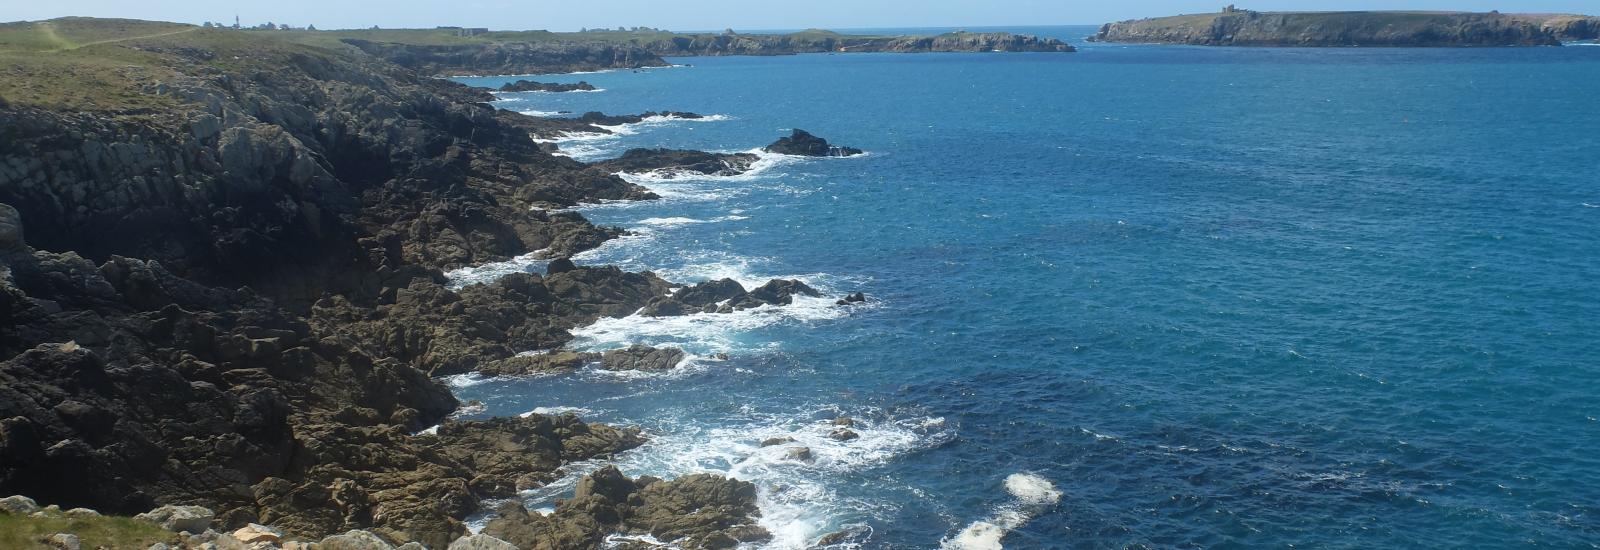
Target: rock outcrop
531,86
726,296
1236,27
699,511
235,301
820,41
493,58
802,143
670,162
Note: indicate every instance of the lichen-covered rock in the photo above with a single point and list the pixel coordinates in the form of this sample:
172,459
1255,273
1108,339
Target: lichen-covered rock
18,505
481,542
354,540
642,358
180,519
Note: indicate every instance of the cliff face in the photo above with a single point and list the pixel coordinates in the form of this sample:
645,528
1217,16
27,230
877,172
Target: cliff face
220,283
1333,29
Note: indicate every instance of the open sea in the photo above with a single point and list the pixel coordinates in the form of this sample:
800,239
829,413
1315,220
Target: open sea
1132,297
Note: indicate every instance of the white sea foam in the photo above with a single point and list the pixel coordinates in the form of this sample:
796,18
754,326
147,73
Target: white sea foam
557,411
703,333
538,113
1032,494
797,505
488,273
467,380
590,146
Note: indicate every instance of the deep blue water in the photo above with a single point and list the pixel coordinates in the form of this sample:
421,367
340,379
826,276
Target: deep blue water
1217,297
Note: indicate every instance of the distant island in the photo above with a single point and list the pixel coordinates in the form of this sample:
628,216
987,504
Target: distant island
1240,27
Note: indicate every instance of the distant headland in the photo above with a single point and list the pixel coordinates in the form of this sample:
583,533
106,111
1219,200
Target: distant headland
1240,27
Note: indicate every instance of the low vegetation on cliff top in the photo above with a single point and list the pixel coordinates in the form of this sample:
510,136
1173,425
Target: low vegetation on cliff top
115,533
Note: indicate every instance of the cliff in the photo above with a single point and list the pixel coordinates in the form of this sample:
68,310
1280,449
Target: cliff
221,283
1353,28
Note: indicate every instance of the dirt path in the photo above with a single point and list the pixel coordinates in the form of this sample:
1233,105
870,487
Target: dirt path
50,30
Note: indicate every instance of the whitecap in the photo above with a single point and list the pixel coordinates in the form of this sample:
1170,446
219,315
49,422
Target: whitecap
703,333
1032,494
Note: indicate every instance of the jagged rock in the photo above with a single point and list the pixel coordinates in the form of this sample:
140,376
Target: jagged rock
642,357
180,519
555,362
775,441
514,454
698,512
843,434
782,292
802,143
354,540
852,299
10,228
531,86
670,163
18,505
560,265
802,454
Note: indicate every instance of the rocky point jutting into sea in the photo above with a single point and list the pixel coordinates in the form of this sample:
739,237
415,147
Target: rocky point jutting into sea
222,260
1241,27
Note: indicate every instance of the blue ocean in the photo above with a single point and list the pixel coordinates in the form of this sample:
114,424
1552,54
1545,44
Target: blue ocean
1136,296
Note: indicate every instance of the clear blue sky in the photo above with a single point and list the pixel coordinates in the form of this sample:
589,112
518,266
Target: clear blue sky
706,14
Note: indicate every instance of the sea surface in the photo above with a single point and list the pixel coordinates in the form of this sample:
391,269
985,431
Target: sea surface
1133,297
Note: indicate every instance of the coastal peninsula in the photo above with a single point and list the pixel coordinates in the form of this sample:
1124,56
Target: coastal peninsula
1241,27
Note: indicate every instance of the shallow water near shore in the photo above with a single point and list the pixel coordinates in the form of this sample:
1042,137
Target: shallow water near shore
1211,296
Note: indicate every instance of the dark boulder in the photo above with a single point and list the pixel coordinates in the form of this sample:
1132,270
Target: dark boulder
671,162
802,143
531,86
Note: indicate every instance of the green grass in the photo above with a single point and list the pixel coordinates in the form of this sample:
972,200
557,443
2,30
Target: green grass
115,533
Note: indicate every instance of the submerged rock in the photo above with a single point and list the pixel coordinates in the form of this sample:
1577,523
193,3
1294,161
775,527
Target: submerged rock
802,143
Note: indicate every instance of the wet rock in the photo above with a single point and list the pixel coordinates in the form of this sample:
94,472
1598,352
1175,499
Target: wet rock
852,299
802,143
782,292
775,441
642,357
802,454
669,163
531,86
18,505
844,421
843,434
698,511
555,362
180,519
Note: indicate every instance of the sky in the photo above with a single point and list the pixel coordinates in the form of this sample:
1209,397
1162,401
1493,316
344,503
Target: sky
685,15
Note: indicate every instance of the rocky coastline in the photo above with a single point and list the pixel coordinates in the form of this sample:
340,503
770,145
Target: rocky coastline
531,86
1241,27
234,299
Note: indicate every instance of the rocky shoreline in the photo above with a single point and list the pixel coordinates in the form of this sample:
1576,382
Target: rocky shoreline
237,301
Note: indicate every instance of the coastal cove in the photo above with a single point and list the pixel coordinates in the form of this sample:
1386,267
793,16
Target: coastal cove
1069,308
290,289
